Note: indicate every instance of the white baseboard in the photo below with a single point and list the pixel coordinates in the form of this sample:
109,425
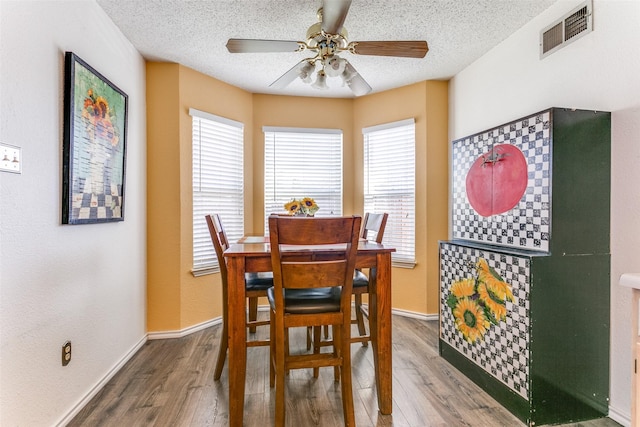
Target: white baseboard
619,417
100,384
162,335
414,315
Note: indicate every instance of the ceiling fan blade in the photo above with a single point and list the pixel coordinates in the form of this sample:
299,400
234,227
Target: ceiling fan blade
288,77
334,12
356,82
405,49
258,45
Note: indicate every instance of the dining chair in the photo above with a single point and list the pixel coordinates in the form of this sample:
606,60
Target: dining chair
312,285
373,227
256,285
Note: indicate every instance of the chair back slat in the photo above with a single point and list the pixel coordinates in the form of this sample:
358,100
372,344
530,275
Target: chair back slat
317,274
220,242
300,256
374,223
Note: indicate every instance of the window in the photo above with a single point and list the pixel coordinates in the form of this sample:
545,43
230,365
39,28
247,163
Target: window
389,184
302,162
218,183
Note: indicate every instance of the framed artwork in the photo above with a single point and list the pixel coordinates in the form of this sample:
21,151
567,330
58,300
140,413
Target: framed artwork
95,130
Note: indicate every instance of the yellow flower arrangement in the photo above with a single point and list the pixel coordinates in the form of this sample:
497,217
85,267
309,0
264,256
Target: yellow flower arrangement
477,302
99,118
305,206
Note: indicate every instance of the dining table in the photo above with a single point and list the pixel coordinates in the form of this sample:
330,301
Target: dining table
252,254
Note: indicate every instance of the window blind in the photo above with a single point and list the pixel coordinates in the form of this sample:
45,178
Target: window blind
302,163
218,183
389,184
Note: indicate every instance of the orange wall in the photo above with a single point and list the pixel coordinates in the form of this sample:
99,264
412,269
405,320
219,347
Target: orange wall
291,111
416,289
176,299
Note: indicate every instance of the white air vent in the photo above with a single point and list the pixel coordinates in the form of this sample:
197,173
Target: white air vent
571,27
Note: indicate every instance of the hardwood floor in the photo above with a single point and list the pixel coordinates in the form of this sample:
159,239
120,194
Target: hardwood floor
170,383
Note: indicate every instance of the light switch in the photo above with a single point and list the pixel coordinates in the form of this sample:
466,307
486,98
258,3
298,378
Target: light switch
10,158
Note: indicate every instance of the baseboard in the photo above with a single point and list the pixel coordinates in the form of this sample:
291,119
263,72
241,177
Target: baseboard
623,419
100,384
407,313
162,335
414,315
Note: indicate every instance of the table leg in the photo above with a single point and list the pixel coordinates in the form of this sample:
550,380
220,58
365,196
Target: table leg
237,339
380,325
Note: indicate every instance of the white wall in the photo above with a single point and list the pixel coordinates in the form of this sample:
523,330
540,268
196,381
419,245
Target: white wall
84,283
599,72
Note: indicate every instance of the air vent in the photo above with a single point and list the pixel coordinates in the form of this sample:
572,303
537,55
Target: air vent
571,27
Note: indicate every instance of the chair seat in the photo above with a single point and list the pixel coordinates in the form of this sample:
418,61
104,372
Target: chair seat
360,279
308,301
258,281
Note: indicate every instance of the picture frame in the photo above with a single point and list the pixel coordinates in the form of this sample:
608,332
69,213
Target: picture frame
94,146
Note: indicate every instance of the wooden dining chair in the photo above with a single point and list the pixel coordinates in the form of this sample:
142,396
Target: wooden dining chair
372,229
256,286
312,286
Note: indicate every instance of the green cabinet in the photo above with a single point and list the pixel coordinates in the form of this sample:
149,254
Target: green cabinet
524,283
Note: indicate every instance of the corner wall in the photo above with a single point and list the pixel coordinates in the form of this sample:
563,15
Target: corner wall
83,283
178,300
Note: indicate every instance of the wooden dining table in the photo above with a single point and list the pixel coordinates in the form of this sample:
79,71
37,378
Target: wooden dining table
252,254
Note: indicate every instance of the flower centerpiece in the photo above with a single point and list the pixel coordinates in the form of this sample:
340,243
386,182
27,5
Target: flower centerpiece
478,302
302,207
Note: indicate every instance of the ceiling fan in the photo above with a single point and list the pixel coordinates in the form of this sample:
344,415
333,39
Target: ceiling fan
327,38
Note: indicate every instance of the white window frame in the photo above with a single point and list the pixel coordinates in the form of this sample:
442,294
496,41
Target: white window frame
216,141
389,184
303,162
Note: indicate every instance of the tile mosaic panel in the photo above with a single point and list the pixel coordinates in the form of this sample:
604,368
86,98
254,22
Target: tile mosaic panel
503,350
527,225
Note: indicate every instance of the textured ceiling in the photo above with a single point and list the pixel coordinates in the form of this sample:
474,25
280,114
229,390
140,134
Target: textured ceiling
194,33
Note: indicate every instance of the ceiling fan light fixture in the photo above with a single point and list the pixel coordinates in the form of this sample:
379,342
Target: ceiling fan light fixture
306,71
321,81
335,66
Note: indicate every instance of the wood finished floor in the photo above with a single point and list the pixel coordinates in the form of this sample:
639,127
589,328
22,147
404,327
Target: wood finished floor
170,383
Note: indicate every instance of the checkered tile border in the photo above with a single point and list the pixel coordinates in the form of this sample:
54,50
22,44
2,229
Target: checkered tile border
527,225
87,205
504,351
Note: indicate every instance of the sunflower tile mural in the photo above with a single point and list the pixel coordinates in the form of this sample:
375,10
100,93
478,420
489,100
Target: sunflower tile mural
484,311
479,302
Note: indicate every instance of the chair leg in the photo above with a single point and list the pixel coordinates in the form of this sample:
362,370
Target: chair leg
222,349
336,351
253,313
309,334
272,349
316,347
280,373
345,369
362,330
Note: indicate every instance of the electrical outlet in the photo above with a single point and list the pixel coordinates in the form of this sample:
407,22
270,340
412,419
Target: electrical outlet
10,158
66,353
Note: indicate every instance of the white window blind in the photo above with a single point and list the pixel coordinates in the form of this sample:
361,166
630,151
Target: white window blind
302,163
218,183
389,184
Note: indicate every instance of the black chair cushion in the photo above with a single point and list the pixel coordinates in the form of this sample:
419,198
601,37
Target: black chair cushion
308,301
258,281
360,279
